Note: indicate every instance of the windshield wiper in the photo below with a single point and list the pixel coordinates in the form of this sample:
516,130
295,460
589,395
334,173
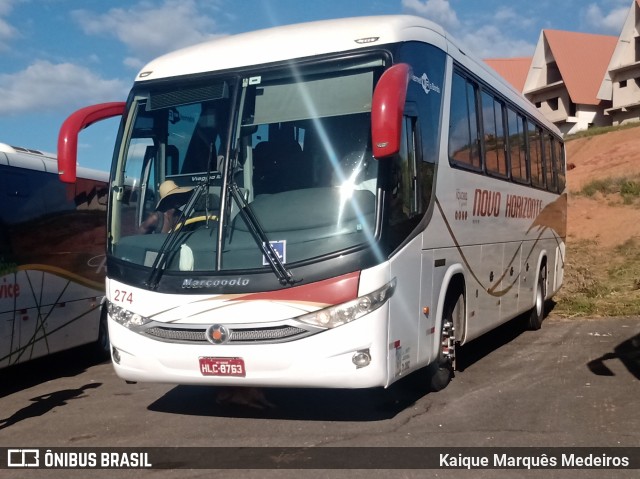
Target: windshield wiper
173,237
284,275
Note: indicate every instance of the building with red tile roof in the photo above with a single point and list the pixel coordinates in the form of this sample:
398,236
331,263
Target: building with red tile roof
514,70
621,83
565,76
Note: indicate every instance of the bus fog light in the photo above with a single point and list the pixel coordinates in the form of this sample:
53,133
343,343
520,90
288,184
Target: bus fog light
362,358
115,354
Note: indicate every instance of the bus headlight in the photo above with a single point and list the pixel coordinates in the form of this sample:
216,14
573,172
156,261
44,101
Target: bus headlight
126,318
344,313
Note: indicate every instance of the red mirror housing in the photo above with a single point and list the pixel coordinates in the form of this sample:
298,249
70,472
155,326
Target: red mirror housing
68,135
386,110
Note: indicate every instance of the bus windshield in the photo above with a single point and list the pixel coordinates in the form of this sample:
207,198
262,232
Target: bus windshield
222,174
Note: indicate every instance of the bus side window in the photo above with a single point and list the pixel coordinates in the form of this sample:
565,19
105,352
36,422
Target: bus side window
558,152
464,142
16,185
494,140
552,183
516,148
534,137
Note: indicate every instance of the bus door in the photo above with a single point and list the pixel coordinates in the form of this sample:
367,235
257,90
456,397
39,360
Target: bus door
407,324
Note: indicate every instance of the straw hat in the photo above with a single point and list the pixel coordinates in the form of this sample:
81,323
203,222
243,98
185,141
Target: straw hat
172,195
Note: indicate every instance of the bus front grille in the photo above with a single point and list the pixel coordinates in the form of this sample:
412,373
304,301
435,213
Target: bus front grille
236,336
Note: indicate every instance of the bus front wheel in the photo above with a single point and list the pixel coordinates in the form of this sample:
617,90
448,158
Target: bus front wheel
441,371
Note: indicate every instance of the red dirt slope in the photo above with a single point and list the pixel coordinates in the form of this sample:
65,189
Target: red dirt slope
606,220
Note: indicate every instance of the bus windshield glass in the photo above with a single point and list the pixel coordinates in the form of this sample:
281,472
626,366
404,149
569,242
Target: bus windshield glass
299,182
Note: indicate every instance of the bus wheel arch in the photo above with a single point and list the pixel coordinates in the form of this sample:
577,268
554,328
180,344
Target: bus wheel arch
450,327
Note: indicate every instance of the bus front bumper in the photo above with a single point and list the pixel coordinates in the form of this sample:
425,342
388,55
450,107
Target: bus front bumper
331,359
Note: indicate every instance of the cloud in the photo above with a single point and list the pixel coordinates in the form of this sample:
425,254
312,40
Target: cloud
507,16
611,22
439,11
7,32
45,86
6,6
149,30
491,35
490,41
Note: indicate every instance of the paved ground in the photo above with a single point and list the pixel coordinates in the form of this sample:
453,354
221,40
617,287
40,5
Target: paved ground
573,383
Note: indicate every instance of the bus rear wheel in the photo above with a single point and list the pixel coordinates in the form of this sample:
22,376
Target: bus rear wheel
536,315
441,371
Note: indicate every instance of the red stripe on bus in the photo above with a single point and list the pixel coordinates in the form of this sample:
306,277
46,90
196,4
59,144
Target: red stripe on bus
329,291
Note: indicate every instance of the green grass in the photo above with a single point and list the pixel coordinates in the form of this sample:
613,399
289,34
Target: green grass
599,281
603,281
628,187
600,130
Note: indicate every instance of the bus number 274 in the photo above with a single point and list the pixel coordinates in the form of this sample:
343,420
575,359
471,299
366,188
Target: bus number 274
122,296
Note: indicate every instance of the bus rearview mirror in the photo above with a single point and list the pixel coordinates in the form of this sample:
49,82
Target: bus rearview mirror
386,110
68,135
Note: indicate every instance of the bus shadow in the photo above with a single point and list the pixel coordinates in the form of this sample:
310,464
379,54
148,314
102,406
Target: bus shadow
63,364
376,404
495,339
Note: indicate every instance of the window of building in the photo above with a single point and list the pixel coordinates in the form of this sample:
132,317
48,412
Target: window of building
553,73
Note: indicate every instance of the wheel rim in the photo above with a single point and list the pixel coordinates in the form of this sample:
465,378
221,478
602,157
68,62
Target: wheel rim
539,298
448,338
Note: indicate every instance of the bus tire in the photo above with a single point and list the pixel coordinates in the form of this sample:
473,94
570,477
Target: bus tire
536,315
102,346
441,371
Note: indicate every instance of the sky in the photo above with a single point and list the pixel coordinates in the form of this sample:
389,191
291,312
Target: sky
59,55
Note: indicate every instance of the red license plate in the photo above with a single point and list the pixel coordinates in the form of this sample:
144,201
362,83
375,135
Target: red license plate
222,366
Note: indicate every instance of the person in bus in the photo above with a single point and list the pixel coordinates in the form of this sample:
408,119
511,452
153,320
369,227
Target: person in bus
167,212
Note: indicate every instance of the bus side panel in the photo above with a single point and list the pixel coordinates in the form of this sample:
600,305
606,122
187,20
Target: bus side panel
430,281
510,285
8,337
43,313
558,276
52,241
406,318
490,294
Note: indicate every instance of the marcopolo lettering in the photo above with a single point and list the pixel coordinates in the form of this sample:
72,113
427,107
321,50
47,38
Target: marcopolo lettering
190,283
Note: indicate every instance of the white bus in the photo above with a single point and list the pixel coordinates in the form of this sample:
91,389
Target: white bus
354,199
52,263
